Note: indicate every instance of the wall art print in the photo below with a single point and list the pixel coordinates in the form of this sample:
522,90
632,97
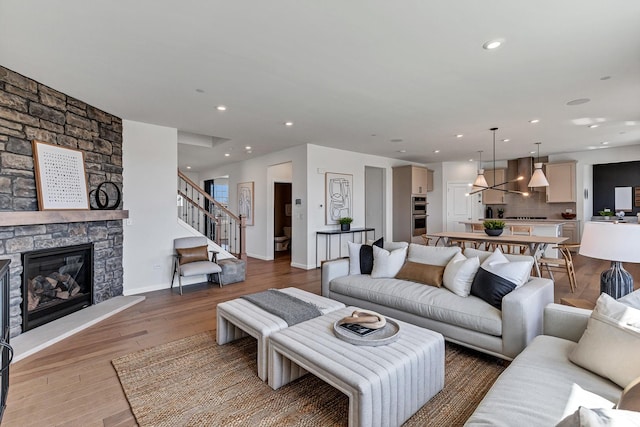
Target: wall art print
245,201
338,196
61,180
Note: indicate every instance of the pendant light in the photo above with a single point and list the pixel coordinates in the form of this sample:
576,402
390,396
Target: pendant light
537,178
481,181
477,188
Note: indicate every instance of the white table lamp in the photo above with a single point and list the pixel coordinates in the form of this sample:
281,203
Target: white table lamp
615,242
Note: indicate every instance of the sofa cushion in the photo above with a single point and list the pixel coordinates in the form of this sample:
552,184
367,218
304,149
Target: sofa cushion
483,255
434,255
421,273
611,343
434,303
361,257
387,264
459,274
392,246
632,299
630,398
541,387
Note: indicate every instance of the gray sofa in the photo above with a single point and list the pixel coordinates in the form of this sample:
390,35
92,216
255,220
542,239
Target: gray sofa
541,386
468,321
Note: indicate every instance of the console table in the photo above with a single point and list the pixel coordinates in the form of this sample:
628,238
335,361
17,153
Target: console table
328,237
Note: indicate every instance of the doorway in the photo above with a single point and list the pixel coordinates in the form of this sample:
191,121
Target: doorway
374,199
282,211
460,207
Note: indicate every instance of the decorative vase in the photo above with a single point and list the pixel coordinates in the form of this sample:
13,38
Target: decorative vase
493,232
345,227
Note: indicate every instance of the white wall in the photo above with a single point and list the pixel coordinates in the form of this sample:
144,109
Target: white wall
150,160
259,170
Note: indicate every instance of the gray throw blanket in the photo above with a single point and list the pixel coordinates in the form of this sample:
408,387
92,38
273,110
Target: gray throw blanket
291,309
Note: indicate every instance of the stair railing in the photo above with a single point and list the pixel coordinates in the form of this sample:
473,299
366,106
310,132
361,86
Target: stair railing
211,218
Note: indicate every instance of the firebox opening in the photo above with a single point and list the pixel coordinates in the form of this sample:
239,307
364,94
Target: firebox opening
56,282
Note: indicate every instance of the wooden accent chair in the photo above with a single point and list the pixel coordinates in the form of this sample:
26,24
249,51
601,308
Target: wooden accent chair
562,264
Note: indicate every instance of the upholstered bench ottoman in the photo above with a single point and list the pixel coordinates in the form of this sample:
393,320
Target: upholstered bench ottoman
233,270
386,385
239,318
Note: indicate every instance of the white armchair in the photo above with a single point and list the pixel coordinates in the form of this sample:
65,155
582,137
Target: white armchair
191,258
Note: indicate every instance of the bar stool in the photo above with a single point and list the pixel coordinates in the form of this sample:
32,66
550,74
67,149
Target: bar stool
522,230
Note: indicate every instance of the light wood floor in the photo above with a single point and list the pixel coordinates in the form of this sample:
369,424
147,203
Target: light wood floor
72,383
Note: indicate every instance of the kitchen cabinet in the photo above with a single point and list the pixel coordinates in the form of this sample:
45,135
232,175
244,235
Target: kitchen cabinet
494,197
572,231
419,180
429,180
562,182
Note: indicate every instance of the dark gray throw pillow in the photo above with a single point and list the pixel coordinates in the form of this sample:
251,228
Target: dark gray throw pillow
366,256
490,287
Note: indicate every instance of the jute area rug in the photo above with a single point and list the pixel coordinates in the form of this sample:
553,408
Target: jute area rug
195,382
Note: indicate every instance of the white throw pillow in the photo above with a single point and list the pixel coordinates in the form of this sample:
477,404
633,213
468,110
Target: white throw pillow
483,255
459,274
610,345
632,299
516,272
354,258
431,254
387,264
601,417
392,246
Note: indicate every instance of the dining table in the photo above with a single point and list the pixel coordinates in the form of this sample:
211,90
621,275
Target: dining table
536,244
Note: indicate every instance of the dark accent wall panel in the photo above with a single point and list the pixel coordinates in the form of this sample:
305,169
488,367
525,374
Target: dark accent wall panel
607,177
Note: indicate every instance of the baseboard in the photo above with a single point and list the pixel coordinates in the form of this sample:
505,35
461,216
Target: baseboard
186,281
260,257
303,266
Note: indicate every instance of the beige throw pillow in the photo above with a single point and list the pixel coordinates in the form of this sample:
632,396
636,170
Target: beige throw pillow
421,273
610,345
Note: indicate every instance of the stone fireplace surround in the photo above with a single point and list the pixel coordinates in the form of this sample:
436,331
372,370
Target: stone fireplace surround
32,111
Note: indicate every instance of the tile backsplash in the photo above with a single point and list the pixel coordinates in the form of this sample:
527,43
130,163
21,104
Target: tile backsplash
533,205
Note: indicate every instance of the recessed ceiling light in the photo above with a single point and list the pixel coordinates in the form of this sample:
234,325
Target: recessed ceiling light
471,160
221,108
459,135
249,151
396,140
578,101
227,154
532,152
605,142
630,123
436,151
188,167
402,151
248,147
534,121
593,126
200,90
605,77
506,140
493,44
373,134
288,123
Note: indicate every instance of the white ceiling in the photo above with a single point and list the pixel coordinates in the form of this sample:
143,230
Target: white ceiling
350,74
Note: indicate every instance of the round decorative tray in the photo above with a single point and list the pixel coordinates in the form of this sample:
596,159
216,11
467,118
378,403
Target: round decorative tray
383,336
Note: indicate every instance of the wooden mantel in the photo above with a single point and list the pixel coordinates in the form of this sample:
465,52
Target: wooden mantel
9,219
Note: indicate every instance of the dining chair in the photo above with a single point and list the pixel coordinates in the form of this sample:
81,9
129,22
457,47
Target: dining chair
521,230
563,264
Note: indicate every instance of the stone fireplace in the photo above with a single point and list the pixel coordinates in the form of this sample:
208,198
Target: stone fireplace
56,282
32,111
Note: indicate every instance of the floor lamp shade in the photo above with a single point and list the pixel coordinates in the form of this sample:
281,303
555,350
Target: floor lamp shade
615,242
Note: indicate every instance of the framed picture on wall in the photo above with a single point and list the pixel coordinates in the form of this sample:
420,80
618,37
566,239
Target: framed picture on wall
245,201
61,180
338,197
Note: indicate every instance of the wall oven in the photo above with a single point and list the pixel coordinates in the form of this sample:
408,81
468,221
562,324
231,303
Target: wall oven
419,205
418,225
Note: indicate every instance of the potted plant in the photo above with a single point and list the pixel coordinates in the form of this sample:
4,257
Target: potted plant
493,227
607,214
345,223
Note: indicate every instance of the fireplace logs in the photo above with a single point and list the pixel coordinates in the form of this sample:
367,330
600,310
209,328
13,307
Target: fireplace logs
54,286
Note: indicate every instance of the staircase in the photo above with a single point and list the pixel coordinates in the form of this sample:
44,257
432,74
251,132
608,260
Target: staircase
205,214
